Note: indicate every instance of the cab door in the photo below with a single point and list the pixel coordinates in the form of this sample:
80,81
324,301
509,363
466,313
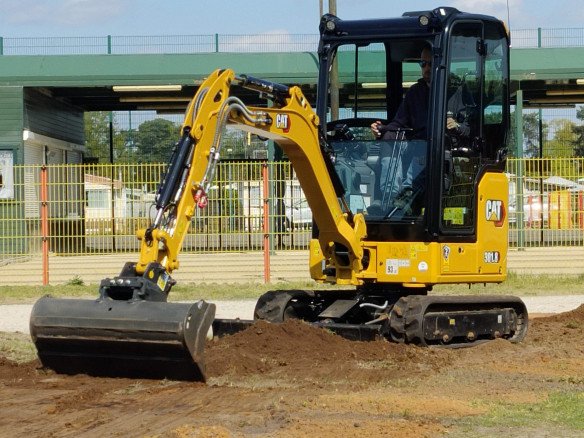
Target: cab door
474,146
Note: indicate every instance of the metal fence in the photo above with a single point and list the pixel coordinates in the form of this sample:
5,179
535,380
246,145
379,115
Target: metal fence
546,202
215,43
81,209
89,209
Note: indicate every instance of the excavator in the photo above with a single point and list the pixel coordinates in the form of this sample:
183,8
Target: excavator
393,216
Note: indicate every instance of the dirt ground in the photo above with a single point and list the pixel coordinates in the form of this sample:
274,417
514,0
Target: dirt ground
293,380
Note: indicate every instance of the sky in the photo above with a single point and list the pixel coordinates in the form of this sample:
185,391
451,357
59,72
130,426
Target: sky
38,18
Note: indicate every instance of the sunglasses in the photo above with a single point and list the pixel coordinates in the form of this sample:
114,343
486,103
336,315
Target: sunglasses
425,63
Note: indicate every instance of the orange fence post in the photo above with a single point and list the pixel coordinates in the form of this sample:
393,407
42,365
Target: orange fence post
45,225
266,223
581,209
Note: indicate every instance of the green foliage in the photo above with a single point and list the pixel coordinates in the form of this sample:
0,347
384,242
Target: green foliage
75,281
562,143
155,139
96,128
522,285
530,134
578,142
97,138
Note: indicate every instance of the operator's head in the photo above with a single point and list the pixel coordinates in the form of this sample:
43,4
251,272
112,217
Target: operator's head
426,64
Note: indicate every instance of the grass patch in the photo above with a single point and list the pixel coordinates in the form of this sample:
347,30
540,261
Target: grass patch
17,347
29,294
521,285
75,281
251,291
562,411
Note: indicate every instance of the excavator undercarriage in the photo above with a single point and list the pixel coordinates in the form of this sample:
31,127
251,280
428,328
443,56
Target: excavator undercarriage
444,321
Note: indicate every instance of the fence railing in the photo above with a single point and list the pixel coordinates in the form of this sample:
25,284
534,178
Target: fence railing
546,201
214,43
94,209
98,208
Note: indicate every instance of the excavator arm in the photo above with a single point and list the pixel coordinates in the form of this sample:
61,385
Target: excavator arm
131,329
293,125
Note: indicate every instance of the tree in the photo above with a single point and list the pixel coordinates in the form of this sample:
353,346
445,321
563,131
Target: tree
97,138
96,129
155,139
531,139
578,130
561,145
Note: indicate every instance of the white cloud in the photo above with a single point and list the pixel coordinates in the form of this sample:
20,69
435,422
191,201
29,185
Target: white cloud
272,41
61,12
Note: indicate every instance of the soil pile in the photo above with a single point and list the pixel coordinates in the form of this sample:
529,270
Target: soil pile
556,331
297,349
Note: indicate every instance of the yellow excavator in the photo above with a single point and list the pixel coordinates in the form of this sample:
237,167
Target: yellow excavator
393,216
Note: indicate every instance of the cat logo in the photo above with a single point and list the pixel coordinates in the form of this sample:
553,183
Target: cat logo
283,122
495,211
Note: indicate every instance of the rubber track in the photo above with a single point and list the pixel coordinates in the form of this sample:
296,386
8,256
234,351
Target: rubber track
407,315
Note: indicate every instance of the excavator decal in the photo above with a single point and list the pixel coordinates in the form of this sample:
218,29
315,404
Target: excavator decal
283,122
495,211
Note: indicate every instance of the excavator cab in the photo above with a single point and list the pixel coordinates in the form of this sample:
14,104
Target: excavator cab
419,175
420,183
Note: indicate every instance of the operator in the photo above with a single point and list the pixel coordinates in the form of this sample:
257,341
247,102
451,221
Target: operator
413,111
396,180
411,119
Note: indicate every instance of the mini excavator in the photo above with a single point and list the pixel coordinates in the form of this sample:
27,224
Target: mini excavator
393,216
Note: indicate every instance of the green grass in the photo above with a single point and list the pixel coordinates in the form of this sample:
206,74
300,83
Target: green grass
180,292
17,347
521,285
560,412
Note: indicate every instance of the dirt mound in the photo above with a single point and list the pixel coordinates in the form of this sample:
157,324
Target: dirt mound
298,349
13,371
548,331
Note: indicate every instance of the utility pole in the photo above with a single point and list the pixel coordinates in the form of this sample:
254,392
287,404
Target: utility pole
334,73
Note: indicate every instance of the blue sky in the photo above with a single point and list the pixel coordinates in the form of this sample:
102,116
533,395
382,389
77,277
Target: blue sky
34,18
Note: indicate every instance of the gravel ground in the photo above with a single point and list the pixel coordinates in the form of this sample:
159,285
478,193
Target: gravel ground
15,316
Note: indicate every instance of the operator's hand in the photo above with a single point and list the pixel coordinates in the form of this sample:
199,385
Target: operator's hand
375,128
451,123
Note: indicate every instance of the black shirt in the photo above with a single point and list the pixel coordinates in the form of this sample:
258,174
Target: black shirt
412,113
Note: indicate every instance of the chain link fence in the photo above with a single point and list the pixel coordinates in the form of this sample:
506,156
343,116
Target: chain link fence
92,209
226,43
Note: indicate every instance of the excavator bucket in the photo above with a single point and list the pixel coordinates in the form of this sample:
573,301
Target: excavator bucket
122,338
